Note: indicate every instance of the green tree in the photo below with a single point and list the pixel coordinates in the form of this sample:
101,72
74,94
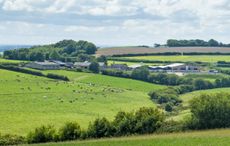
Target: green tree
94,67
55,55
141,73
210,111
100,128
70,131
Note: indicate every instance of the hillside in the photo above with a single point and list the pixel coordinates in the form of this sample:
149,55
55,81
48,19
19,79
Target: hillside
144,50
27,101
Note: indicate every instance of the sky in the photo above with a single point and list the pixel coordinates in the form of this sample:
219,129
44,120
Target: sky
113,22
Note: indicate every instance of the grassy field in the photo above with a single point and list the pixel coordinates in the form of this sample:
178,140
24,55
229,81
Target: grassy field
196,138
10,61
185,58
131,63
143,50
28,101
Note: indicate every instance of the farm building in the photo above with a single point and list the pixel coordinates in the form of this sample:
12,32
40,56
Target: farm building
175,67
46,65
86,64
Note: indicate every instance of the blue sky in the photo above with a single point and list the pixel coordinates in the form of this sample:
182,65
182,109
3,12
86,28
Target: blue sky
113,22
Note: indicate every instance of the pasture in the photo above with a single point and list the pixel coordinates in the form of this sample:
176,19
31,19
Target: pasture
27,101
203,138
185,58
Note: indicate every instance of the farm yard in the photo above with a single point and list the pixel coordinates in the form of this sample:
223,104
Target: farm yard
144,50
205,138
28,101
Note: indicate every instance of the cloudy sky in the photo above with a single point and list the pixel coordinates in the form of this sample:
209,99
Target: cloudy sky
113,22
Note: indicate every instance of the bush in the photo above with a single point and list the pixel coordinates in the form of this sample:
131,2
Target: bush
140,73
11,140
55,76
94,67
210,111
124,123
42,134
70,131
148,120
171,126
100,128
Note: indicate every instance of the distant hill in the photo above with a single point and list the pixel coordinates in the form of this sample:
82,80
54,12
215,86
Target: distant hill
10,47
147,50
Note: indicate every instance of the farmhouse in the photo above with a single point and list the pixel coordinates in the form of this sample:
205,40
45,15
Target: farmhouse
46,65
175,67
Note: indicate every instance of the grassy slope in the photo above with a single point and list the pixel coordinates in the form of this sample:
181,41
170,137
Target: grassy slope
203,58
27,102
201,138
189,96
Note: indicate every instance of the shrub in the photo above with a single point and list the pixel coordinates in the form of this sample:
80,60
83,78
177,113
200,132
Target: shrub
140,73
100,128
168,107
210,111
59,77
148,120
124,123
94,67
11,139
42,134
70,131
171,126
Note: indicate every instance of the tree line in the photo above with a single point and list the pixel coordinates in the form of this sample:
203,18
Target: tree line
57,51
195,43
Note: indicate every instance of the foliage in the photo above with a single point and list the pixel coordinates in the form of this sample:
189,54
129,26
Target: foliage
65,48
42,134
59,77
101,127
197,42
70,131
210,111
94,67
141,73
124,123
11,140
148,120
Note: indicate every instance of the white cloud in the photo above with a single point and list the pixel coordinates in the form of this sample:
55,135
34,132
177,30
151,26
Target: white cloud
124,21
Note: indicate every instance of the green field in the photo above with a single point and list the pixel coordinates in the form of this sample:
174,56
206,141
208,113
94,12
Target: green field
10,61
185,58
189,96
130,63
197,138
28,101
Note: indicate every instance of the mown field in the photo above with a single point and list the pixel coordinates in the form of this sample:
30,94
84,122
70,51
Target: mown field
27,101
185,58
196,138
143,50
